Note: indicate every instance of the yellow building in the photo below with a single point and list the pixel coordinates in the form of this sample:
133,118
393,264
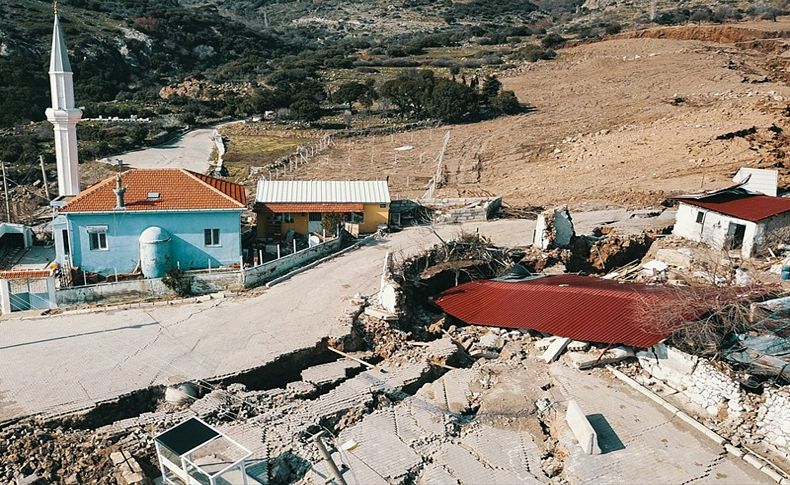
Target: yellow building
301,205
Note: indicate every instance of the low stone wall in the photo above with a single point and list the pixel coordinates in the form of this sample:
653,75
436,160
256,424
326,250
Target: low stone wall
459,210
105,293
699,381
266,272
773,419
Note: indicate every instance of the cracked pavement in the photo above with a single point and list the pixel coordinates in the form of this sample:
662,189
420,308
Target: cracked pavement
62,363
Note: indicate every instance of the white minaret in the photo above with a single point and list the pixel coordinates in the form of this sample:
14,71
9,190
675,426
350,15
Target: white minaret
63,115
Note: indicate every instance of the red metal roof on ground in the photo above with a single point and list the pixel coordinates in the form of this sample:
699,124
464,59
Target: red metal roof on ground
178,189
749,207
311,207
578,307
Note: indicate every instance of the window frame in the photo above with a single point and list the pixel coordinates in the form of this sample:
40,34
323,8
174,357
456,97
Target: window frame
98,239
211,237
288,218
700,217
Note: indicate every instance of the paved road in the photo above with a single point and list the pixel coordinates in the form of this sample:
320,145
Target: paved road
641,442
190,151
67,362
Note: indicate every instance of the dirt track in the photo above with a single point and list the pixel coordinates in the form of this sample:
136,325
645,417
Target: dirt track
623,122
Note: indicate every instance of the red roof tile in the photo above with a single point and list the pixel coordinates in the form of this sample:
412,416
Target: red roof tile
311,207
578,307
749,207
178,189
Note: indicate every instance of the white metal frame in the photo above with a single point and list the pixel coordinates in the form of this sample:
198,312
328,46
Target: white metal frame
182,471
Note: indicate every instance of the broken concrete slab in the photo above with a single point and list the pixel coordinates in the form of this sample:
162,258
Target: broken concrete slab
330,373
582,429
555,349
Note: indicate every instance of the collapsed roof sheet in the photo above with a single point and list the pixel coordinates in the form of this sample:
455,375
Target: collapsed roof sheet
578,307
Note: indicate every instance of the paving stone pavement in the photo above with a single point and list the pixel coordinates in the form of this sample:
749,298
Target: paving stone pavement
643,443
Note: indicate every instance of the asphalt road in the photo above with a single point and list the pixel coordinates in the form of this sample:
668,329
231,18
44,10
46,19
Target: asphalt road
190,151
56,364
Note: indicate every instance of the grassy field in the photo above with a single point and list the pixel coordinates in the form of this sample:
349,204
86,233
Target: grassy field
252,147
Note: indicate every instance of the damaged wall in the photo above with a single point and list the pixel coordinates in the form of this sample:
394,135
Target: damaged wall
459,210
773,419
713,228
554,229
698,380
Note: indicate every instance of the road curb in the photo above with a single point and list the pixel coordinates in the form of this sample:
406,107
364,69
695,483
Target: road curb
758,462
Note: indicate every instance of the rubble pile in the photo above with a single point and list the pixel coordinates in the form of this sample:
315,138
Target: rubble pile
56,454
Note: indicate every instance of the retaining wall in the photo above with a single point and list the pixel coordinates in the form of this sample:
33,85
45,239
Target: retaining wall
105,293
702,383
773,419
265,272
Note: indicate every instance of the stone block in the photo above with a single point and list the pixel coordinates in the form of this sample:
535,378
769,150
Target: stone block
582,429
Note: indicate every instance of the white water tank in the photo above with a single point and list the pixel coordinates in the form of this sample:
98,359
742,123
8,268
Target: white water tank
155,253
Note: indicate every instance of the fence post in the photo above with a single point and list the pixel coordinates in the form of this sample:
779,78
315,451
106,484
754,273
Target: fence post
294,246
278,250
209,265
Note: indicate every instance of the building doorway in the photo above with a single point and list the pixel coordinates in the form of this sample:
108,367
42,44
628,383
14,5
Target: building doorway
735,235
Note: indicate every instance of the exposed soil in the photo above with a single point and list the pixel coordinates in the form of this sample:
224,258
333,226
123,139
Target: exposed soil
623,122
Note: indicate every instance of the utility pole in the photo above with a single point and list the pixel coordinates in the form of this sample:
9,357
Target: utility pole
5,191
44,176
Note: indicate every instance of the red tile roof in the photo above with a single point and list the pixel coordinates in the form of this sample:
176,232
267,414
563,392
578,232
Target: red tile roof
178,189
740,204
578,307
311,207
24,273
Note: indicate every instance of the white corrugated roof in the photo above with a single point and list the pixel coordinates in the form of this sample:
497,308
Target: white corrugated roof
758,180
306,191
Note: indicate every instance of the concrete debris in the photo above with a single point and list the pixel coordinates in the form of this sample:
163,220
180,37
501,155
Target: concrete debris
554,229
587,360
331,373
582,429
491,341
555,349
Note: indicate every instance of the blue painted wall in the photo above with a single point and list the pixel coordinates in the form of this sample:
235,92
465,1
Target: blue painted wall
124,229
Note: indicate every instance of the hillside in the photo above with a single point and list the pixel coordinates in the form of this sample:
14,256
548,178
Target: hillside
626,121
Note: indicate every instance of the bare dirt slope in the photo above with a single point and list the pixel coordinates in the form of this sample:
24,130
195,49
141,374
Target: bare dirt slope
619,122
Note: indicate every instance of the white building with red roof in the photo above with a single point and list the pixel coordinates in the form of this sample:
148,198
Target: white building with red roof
151,220
743,217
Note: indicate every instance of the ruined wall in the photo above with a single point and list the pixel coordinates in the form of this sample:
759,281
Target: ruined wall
699,381
773,419
459,210
259,275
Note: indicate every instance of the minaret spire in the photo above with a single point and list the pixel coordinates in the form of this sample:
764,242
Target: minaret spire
63,115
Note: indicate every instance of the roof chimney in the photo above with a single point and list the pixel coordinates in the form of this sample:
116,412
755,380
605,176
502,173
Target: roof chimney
119,190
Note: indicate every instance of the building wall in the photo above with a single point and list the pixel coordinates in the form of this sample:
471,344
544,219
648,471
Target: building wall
771,232
713,229
373,214
124,229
